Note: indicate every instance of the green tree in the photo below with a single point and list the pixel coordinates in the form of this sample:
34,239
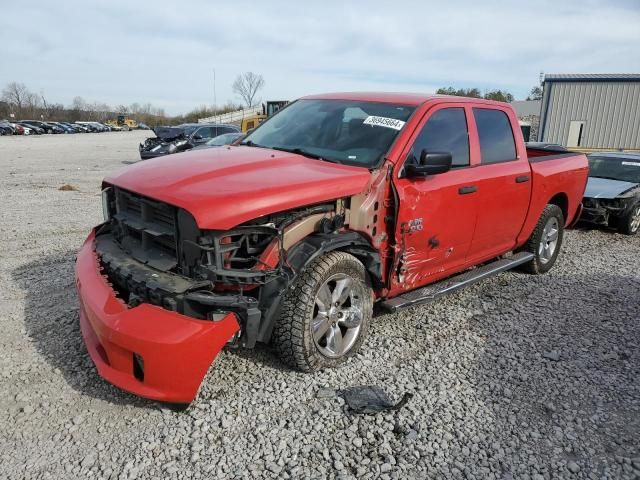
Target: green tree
535,94
461,92
499,96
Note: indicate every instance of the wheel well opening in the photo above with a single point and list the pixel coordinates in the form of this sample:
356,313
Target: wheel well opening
561,200
371,261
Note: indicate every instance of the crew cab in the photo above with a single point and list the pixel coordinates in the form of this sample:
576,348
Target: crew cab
337,202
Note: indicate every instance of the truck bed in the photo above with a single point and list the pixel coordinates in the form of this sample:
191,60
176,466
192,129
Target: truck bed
555,170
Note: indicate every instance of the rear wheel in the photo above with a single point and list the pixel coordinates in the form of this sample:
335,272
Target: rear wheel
325,315
629,224
545,241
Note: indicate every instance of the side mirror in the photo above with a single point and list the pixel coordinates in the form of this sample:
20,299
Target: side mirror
197,137
431,163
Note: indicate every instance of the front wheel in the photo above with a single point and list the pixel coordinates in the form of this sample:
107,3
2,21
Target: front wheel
545,241
325,315
629,224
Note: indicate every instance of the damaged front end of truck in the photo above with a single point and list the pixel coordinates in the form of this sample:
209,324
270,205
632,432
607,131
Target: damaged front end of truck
153,255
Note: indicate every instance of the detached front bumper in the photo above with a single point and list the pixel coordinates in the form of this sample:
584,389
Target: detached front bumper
145,350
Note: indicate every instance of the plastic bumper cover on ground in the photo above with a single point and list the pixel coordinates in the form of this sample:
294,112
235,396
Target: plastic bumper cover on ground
173,351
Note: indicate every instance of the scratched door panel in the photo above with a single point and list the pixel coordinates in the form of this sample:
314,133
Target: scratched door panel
435,226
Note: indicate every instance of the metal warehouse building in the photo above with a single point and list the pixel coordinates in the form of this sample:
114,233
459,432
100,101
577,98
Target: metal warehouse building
599,111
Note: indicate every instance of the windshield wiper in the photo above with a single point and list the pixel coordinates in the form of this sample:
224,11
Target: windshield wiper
304,153
249,143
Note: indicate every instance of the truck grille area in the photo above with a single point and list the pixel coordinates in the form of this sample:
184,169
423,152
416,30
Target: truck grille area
146,229
135,282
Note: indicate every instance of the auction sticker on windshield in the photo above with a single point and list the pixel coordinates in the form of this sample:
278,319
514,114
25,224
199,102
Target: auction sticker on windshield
384,122
631,164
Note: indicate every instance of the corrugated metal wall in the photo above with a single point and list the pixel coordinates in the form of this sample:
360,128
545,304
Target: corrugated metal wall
610,110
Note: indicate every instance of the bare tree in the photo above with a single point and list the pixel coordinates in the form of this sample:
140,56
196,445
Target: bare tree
33,105
79,104
246,85
15,94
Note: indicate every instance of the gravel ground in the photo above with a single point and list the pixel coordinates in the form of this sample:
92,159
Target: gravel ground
519,377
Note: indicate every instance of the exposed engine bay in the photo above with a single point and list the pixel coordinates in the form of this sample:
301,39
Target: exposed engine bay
167,140
152,252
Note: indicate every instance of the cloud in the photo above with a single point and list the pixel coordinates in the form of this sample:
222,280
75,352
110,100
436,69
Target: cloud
149,51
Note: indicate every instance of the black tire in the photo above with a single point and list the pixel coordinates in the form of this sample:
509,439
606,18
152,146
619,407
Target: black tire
292,336
628,223
541,264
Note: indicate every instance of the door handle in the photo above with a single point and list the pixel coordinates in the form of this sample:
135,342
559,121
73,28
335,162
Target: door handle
522,179
467,190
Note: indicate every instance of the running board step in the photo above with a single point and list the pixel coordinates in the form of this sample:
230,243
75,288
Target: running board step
452,284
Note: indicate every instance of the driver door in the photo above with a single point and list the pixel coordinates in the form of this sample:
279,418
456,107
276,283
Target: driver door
437,213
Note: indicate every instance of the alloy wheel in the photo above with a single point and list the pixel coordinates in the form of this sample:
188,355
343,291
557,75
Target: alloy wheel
549,240
635,220
337,315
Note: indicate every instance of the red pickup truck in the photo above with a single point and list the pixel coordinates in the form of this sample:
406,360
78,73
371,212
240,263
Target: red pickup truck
336,203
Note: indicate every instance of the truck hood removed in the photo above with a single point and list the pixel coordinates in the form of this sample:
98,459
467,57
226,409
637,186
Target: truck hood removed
225,187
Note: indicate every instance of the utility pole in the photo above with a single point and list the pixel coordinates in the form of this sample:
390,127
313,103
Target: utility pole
215,104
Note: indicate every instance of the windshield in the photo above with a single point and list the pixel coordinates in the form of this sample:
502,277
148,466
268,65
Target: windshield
224,139
625,169
343,131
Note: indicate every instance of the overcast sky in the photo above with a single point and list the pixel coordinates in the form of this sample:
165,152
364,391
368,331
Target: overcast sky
165,52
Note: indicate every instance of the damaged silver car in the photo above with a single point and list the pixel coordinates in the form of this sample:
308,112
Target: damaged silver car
183,137
612,196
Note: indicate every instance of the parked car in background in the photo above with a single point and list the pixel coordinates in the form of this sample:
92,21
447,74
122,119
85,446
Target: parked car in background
55,128
19,129
43,125
79,128
75,128
334,203
220,140
65,128
36,130
89,126
181,137
7,128
612,196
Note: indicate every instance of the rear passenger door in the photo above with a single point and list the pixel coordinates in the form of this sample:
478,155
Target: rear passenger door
503,182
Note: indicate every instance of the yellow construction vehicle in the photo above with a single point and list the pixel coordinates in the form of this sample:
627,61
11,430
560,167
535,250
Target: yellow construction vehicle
124,122
268,109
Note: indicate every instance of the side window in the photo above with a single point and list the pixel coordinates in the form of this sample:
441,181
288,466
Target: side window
495,135
223,130
445,131
204,132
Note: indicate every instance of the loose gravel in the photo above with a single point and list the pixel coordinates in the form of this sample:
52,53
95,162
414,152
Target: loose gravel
519,377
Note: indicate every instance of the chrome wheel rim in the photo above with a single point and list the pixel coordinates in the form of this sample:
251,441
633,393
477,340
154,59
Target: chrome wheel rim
337,315
549,240
635,220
